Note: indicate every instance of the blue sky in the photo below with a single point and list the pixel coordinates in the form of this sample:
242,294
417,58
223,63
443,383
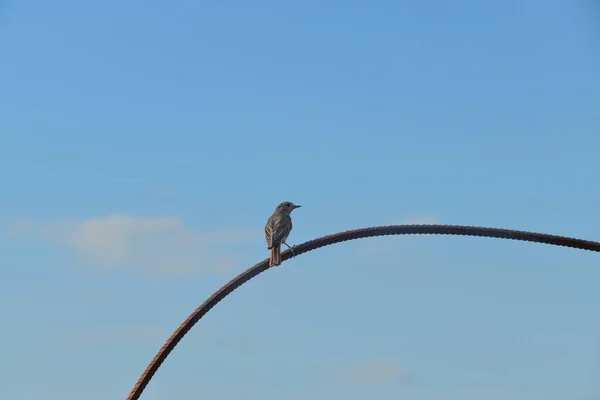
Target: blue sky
144,144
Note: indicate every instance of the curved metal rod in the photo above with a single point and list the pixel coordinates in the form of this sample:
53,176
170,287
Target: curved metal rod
262,266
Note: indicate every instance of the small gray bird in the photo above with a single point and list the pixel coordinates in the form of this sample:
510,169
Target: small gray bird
277,230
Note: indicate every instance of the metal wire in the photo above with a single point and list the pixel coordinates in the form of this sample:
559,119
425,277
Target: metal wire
262,266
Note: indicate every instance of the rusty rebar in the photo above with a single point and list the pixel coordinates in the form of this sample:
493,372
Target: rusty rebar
262,266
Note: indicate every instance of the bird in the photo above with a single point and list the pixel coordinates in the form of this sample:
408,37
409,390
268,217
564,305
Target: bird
277,229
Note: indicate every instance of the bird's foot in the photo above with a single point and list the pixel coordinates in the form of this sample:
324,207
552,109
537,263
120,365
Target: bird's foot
291,249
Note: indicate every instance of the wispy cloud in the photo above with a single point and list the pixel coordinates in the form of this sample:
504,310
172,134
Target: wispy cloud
422,219
159,244
374,373
382,245
121,335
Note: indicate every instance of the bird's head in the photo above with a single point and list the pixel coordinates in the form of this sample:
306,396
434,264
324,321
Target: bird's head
287,207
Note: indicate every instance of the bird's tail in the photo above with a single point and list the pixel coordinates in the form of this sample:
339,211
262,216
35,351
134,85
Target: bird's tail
275,258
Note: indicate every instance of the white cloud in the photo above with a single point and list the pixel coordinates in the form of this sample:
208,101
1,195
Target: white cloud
374,372
384,244
160,244
422,219
122,335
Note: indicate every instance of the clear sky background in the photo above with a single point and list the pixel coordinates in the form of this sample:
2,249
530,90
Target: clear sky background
143,145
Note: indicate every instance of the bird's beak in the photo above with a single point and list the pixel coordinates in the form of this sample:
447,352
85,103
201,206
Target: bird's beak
297,206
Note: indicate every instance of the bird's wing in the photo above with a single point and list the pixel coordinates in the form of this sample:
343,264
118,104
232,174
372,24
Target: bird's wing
276,230
269,233
281,229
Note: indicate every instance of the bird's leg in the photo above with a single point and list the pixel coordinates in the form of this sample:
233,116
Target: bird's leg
291,249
